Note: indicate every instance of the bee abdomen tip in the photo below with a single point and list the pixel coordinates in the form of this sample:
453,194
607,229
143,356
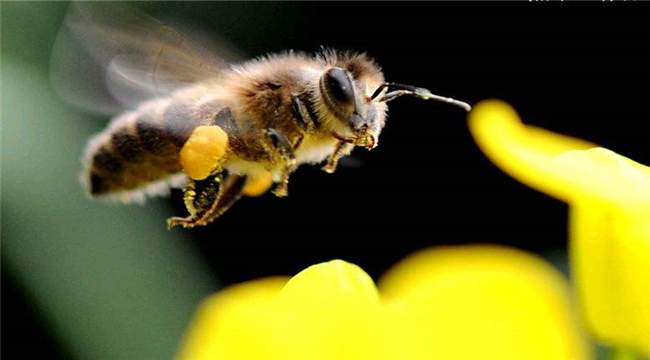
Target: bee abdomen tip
98,185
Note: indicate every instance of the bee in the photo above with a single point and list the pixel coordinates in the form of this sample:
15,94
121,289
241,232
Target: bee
219,130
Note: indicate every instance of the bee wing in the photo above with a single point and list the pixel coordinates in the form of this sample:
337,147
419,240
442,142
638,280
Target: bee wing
109,57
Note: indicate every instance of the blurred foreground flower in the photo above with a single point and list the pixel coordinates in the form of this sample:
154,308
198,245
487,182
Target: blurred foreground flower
472,302
609,198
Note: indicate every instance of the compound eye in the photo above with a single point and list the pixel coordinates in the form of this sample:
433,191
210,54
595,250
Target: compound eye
339,85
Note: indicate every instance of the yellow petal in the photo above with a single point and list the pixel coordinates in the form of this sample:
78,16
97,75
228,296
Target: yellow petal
609,196
526,153
610,262
465,303
634,269
331,311
328,311
482,302
203,151
227,324
332,284
561,166
603,175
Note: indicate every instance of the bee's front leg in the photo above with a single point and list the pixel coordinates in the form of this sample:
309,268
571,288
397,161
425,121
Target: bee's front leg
208,199
282,151
364,137
342,149
305,122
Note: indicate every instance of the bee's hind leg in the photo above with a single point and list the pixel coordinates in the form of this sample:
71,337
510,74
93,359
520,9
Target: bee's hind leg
231,191
208,199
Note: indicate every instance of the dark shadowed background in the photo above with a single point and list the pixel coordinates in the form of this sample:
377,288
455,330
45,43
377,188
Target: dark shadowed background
90,280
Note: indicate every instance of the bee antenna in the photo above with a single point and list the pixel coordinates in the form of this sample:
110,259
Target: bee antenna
397,90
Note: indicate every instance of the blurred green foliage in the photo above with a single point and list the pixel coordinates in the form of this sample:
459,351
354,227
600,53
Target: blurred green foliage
111,282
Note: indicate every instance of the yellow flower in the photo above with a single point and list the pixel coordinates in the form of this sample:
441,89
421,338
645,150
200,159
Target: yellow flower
609,198
451,303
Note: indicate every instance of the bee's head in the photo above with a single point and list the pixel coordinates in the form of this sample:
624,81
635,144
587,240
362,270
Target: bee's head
347,99
353,97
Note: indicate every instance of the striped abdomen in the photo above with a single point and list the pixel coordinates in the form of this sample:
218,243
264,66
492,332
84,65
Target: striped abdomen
142,147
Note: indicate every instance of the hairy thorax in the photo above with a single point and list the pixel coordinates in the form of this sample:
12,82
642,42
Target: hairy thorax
261,98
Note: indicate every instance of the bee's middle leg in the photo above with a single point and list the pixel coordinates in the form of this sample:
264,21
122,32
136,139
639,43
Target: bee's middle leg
281,147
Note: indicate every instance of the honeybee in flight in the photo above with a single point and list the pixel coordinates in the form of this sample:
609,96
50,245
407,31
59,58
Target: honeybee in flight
222,131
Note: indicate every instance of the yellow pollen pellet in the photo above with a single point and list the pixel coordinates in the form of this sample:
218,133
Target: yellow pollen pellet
203,151
258,185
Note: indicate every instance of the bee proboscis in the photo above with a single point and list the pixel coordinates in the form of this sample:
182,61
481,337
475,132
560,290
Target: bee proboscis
222,131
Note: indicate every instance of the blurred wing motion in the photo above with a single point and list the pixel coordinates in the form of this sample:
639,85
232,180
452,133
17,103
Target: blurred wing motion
109,57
